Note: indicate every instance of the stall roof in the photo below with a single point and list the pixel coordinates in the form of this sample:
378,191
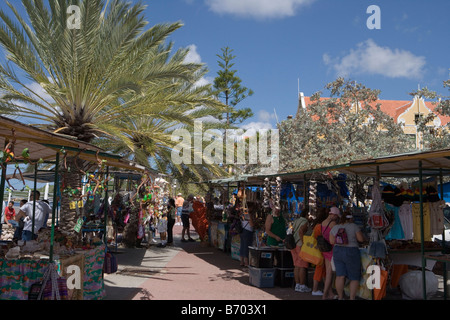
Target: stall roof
403,165
44,145
400,165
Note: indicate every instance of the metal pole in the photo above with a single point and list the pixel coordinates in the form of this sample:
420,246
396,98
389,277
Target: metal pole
441,180
106,208
55,204
34,198
422,247
2,190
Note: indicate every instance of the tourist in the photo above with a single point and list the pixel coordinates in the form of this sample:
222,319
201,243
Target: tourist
26,211
319,271
299,228
326,226
10,214
162,230
275,228
179,206
186,211
171,216
246,237
346,256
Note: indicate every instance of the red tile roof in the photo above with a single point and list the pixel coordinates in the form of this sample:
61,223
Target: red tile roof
394,108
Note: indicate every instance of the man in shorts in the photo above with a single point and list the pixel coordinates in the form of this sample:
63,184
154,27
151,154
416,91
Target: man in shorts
179,207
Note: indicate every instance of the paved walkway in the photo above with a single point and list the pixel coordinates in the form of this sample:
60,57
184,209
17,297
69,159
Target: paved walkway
188,271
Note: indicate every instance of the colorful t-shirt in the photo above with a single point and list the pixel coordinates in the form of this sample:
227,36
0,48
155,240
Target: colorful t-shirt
10,213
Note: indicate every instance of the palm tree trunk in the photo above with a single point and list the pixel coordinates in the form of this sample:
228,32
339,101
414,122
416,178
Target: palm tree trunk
71,178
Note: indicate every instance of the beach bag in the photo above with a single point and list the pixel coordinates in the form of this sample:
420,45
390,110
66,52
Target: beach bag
110,263
310,251
380,293
377,218
52,287
341,236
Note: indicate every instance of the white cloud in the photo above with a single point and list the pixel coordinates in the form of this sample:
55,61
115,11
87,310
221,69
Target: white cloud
253,127
369,58
193,56
258,8
265,116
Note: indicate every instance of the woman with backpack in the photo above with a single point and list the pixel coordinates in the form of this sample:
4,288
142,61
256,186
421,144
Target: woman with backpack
346,256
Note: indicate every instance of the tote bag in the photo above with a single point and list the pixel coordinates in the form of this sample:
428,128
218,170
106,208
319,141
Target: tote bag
310,252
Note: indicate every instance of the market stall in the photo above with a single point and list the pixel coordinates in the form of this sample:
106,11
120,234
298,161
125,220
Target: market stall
411,213
26,264
407,243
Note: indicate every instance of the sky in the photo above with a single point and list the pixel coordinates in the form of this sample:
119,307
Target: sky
284,47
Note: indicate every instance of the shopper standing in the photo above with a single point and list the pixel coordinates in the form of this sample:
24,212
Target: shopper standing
346,256
299,228
326,226
246,237
186,211
179,207
319,271
275,228
171,218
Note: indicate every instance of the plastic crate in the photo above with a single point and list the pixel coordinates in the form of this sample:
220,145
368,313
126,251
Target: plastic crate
283,259
262,277
261,257
284,277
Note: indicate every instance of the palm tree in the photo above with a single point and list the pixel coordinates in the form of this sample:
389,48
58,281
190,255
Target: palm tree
90,79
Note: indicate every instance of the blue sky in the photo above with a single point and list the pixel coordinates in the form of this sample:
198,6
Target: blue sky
284,45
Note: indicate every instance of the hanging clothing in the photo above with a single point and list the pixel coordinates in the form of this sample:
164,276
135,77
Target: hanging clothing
436,217
406,220
396,231
416,222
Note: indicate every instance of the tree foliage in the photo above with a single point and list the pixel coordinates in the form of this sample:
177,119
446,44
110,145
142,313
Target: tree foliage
348,125
228,87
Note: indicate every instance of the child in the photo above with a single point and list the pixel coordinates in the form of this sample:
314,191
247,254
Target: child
162,229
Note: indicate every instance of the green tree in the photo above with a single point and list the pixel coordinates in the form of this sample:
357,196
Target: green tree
113,66
228,87
347,126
